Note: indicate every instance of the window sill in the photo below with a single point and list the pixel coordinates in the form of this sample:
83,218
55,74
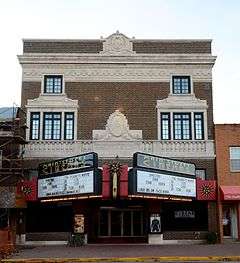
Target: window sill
53,94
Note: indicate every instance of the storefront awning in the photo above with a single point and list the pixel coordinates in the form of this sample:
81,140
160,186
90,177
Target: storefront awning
230,192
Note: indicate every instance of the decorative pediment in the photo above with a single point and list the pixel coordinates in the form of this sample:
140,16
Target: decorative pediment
117,129
182,102
52,101
117,44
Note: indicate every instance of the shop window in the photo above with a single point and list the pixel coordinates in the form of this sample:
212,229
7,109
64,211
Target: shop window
69,126
165,126
234,159
34,125
198,126
181,85
201,174
182,126
52,126
53,84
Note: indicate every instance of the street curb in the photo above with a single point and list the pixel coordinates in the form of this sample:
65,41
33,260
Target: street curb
125,259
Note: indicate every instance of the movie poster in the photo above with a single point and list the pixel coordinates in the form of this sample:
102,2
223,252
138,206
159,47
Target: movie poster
155,223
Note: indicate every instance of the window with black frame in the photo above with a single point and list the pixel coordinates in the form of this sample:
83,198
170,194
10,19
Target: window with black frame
182,126
69,126
34,125
52,126
165,126
198,126
53,84
181,85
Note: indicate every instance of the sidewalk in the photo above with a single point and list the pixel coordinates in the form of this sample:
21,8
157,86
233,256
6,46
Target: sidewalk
140,253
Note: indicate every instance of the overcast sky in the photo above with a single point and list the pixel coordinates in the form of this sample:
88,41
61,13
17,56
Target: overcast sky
215,19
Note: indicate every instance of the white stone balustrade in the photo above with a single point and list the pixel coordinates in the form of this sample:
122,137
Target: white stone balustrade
124,149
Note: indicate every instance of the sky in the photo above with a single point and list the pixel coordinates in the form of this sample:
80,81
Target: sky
164,19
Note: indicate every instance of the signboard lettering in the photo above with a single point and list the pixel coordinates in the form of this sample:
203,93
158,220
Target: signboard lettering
165,184
68,184
88,160
164,164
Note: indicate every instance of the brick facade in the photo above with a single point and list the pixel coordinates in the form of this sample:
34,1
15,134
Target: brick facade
140,46
136,100
226,136
135,90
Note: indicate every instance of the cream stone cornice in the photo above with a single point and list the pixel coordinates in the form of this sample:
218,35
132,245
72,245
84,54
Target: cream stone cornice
105,58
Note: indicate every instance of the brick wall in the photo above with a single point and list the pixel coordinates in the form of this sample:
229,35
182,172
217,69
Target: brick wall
140,46
137,100
226,135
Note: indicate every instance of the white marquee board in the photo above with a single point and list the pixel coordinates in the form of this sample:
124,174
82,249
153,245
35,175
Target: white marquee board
68,184
164,184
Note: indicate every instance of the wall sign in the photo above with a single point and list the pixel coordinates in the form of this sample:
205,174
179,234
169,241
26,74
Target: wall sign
68,184
155,223
157,183
155,162
88,160
184,214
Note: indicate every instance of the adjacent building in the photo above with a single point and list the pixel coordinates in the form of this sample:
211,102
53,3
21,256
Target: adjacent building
227,138
141,110
12,202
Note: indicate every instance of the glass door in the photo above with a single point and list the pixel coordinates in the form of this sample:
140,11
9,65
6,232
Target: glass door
121,223
226,221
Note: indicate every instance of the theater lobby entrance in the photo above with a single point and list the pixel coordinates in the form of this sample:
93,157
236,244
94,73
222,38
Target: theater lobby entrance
118,223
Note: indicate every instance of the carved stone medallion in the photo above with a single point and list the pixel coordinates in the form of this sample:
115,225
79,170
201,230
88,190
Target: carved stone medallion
117,128
117,44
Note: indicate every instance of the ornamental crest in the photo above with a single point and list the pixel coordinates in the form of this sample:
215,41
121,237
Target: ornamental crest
117,129
117,44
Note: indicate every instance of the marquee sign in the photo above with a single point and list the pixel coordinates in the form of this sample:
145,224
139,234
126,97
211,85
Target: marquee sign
88,160
164,164
158,183
78,183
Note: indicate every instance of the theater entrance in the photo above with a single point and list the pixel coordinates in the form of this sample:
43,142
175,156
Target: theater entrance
122,225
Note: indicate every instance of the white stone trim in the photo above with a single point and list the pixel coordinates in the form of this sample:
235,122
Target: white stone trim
83,58
117,44
116,72
123,149
186,103
52,103
117,129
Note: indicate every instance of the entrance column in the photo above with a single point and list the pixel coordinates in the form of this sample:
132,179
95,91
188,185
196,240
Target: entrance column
238,219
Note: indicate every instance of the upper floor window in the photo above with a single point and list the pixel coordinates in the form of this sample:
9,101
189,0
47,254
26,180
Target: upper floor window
182,126
198,126
34,125
52,126
69,126
234,159
181,85
53,84
165,126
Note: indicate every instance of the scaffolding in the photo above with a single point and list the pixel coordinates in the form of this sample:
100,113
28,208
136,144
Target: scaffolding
12,142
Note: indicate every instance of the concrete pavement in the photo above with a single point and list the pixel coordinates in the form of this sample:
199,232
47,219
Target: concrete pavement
129,253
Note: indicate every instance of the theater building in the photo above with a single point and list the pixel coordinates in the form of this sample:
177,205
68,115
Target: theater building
228,174
123,131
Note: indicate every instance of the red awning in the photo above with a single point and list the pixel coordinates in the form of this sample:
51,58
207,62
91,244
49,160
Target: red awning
230,192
